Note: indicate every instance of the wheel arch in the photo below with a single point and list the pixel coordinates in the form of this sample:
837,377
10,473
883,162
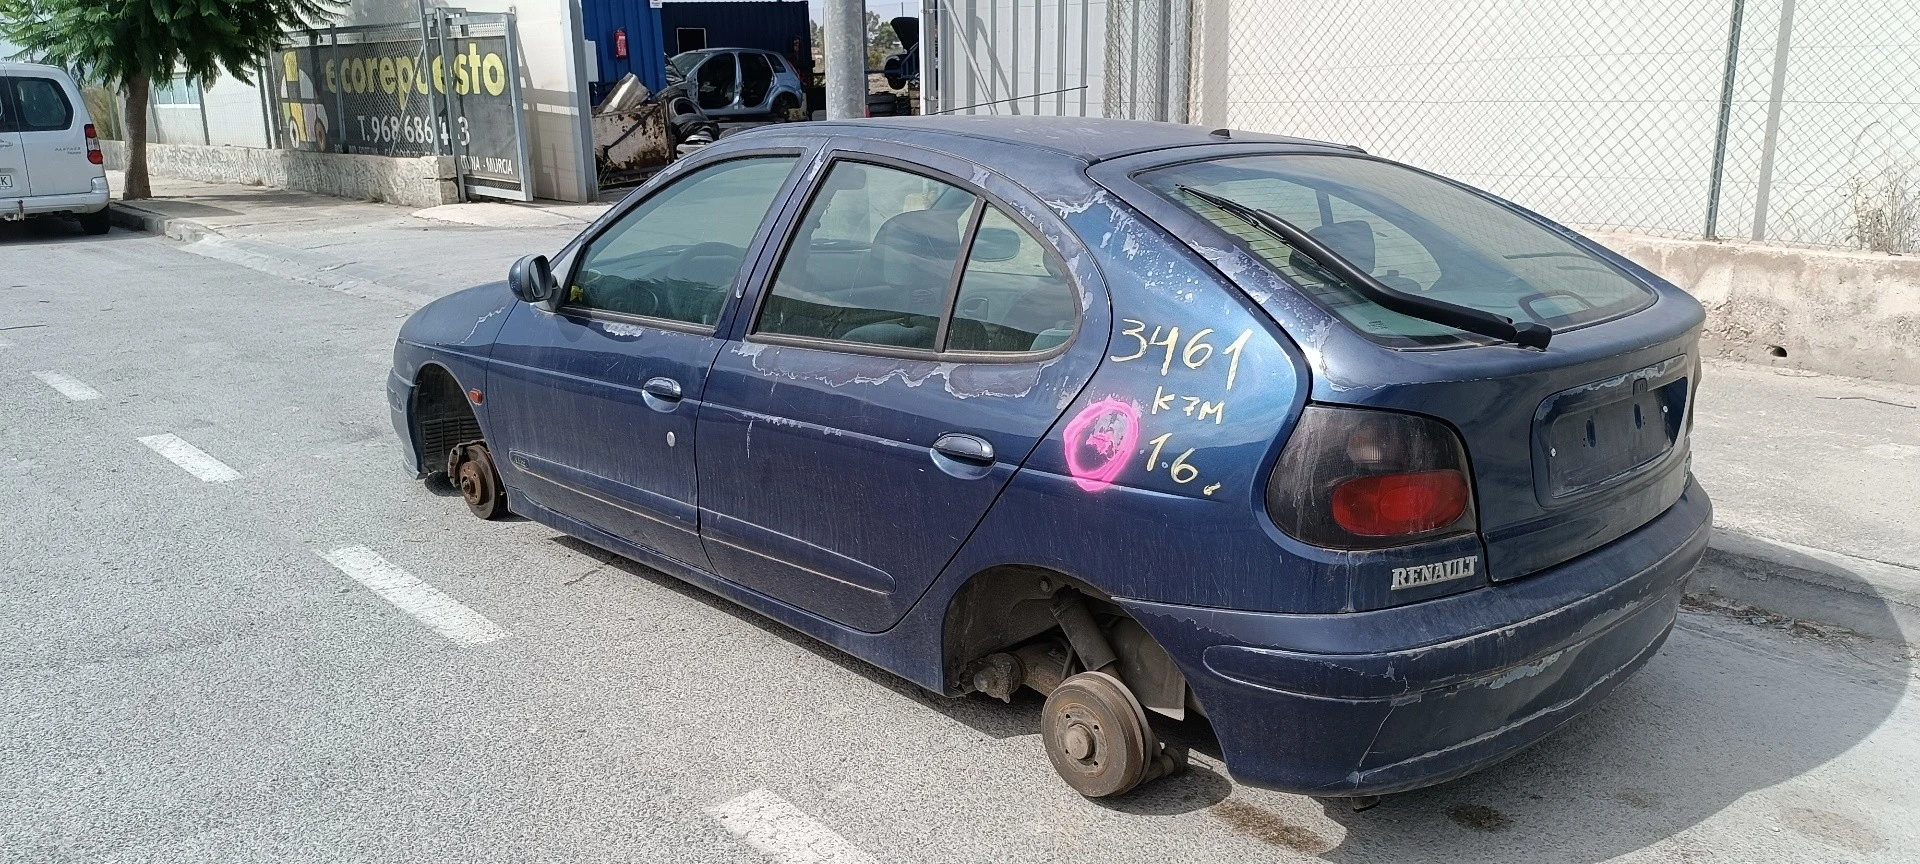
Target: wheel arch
1007,605
439,415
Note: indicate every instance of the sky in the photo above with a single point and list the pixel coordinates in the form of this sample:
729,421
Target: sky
883,8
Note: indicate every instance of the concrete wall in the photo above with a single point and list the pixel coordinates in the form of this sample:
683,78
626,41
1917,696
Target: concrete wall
412,182
1843,313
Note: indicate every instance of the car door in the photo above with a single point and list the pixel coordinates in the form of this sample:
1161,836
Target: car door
858,428
13,156
716,84
593,401
51,136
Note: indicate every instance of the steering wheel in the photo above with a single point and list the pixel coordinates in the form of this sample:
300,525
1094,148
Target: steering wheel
703,250
633,297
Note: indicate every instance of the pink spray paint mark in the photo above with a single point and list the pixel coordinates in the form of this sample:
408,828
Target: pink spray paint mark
1099,441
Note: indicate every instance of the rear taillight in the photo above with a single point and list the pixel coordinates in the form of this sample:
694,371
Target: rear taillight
1352,478
93,147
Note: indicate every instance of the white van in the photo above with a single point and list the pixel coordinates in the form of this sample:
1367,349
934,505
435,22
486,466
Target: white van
50,162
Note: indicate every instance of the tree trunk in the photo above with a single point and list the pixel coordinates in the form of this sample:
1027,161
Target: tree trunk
136,185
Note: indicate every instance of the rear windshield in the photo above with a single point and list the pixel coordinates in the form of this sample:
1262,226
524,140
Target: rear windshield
1413,232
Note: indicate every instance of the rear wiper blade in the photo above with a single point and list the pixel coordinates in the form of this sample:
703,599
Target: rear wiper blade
1529,334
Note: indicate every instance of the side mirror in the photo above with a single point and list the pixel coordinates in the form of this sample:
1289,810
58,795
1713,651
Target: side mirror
531,279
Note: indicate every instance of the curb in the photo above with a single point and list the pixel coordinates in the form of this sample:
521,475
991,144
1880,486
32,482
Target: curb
136,218
1877,599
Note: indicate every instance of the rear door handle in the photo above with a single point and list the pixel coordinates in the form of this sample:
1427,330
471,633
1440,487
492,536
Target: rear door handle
665,388
966,448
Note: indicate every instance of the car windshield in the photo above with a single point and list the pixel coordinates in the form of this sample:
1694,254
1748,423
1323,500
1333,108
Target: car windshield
1411,231
679,65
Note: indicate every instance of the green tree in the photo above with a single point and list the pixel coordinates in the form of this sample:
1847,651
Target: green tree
881,41
132,43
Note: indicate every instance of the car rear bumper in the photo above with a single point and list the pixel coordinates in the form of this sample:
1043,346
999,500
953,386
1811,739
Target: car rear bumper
46,205
1391,700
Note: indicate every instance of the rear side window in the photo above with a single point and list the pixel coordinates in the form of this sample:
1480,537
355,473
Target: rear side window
675,256
1412,231
42,104
875,262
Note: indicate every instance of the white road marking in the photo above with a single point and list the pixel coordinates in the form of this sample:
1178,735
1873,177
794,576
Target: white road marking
192,459
445,615
69,387
781,832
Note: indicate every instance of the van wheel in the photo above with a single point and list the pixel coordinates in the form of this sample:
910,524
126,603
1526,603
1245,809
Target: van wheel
1097,735
470,467
97,223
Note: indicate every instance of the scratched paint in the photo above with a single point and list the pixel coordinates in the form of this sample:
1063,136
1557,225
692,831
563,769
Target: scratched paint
1099,440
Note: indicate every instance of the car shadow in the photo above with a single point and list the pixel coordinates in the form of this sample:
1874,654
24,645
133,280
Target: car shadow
1676,744
51,231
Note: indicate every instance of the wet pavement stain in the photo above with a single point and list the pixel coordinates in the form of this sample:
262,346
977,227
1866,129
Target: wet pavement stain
1832,829
1268,827
1479,817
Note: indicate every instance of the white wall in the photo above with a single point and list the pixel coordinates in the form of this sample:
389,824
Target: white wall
235,115
990,53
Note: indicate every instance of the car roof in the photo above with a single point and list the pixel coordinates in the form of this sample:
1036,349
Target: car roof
10,67
1089,139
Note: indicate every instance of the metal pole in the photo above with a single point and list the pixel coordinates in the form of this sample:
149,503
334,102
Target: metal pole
589,172
1084,23
338,131
971,67
1036,52
1179,60
1765,179
1060,57
1013,56
1726,118
846,35
426,67
444,82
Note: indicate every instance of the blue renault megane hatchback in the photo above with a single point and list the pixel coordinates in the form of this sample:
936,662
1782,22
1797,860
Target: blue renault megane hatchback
1383,476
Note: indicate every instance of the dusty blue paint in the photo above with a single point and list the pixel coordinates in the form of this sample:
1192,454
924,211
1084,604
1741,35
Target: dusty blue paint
803,486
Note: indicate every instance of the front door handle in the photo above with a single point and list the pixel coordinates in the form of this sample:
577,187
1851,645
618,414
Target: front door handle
965,448
665,388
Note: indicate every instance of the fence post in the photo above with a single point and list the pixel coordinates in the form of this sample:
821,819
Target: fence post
339,92
1726,118
442,20
1765,180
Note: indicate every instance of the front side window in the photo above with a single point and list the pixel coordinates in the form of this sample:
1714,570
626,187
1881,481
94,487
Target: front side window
43,105
875,258
675,256
1411,231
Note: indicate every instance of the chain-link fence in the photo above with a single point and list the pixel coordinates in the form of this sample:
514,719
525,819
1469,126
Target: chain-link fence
1787,121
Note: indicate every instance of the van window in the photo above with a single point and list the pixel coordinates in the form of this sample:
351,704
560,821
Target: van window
43,105
1412,231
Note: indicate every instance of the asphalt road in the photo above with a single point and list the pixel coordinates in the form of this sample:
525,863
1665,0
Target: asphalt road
186,676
